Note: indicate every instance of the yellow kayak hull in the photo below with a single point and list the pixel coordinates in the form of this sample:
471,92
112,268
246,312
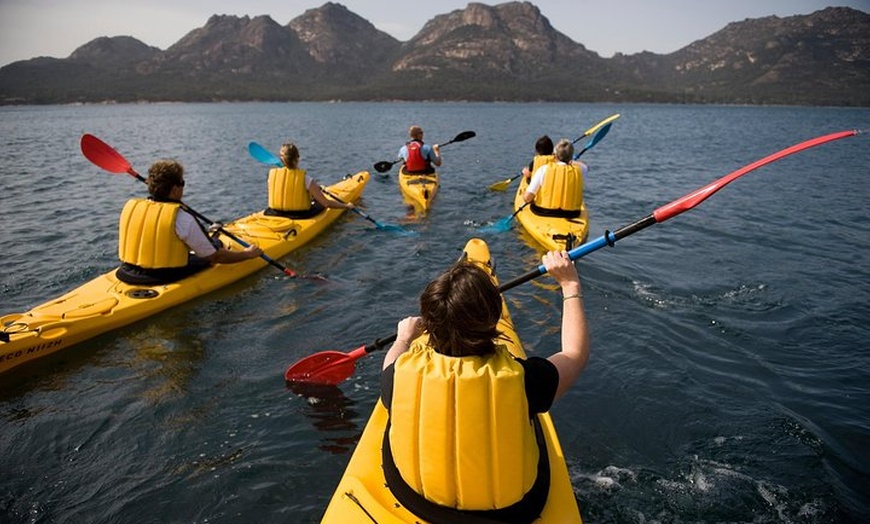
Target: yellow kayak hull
105,303
552,233
418,190
362,495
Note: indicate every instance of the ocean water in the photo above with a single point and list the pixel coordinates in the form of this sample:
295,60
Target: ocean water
729,378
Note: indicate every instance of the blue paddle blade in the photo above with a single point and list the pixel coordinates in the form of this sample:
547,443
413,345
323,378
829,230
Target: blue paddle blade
396,229
598,136
381,227
500,226
263,155
594,140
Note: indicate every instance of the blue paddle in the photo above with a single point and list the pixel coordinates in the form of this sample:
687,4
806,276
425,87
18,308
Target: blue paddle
263,155
502,185
601,133
504,224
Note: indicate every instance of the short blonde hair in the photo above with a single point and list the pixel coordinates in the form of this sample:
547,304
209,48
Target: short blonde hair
564,150
415,132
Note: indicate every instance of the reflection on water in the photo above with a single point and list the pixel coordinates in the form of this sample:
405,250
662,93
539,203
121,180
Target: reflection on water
332,413
167,356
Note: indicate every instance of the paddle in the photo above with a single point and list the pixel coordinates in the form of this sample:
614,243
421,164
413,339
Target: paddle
384,166
265,156
103,155
502,185
383,227
596,127
504,224
332,367
594,140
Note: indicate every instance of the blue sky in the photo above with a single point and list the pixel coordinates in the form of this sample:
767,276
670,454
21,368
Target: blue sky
31,28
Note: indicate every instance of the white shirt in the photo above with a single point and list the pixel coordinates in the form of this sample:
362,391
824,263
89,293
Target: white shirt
189,231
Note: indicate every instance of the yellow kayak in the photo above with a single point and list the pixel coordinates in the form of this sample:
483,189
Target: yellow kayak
553,233
418,190
106,303
362,494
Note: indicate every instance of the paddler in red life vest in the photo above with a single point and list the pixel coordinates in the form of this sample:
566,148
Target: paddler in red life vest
159,242
556,188
294,194
419,157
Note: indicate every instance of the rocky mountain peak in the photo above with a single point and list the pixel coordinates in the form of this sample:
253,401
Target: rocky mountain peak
506,39
242,45
113,50
334,35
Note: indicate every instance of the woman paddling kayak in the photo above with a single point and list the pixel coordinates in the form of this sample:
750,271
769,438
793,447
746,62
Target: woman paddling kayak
364,494
462,436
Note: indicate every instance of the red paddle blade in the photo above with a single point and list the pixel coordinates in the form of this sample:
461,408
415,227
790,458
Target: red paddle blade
327,367
103,155
696,197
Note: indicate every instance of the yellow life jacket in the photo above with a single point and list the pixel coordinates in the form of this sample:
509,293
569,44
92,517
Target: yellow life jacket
461,434
287,191
541,160
562,188
147,237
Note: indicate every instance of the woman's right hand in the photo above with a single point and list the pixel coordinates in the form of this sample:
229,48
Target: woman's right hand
408,329
562,269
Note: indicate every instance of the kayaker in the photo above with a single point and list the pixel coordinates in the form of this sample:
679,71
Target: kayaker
293,193
461,365
419,157
157,236
543,155
556,188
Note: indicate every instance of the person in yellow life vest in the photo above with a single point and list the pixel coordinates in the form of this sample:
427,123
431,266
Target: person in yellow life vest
543,155
159,242
294,194
447,392
556,188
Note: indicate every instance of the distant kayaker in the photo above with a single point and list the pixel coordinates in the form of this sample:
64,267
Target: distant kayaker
462,363
157,236
419,157
556,188
293,193
543,156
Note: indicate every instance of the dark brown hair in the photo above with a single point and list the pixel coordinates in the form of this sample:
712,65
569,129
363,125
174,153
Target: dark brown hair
544,146
460,310
163,175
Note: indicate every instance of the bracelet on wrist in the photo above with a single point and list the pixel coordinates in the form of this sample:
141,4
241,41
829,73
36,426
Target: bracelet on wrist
575,295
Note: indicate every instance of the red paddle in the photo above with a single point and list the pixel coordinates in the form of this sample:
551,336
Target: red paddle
332,367
329,368
103,155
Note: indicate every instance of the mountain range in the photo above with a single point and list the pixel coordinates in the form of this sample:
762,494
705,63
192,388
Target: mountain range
507,52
